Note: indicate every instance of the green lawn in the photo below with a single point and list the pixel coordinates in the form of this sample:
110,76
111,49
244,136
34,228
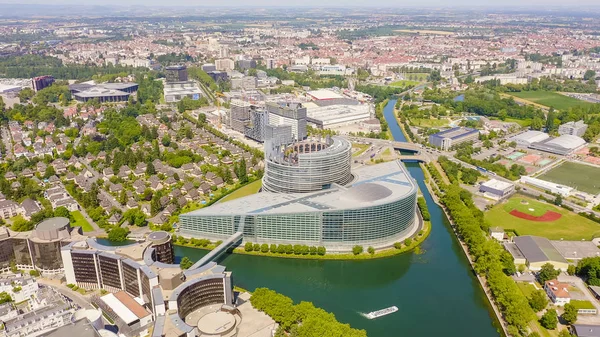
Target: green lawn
361,148
247,190
550,99
526,288
403,83
522,122
582,304
80,221
570,226
583,177
429,122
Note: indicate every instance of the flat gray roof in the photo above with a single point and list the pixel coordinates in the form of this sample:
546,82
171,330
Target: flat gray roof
376,184
81,328
575,250
53,223
538,249
586,330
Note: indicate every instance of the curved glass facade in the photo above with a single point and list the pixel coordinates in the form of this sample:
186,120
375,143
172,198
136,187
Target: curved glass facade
199,294
308,166
46,255
376,225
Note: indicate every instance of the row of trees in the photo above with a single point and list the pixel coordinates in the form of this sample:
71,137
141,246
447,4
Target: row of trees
303,319
456,172
490,259
423,207
285,249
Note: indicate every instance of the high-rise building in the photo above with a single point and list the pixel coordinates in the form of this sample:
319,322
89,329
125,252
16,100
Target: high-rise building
176,74
239,115
41,82
224,64
257,125
208,67
293,114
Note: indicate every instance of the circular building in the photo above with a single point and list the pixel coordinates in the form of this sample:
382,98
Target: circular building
308,166
378,209
46,242
163,247
92,315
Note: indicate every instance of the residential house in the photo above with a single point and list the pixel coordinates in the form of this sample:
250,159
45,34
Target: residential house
558,292
29,207
8,209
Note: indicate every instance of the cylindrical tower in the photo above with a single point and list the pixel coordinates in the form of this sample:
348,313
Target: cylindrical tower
308,166
163,247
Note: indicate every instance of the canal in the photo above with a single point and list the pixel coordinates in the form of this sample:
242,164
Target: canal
434,289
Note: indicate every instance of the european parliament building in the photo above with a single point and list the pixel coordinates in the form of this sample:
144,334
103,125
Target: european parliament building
374,205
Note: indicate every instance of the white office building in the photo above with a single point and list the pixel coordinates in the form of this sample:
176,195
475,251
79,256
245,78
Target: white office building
573,128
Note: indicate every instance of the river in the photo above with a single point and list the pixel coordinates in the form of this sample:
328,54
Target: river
435,290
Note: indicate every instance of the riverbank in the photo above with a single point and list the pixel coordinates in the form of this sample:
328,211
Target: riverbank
415,242
482,280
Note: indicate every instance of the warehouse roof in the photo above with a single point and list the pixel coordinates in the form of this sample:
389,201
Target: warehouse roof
531,136
538,249
586,330
567,142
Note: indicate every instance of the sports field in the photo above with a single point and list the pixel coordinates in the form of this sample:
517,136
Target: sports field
404,83
583,177
550,99
569,226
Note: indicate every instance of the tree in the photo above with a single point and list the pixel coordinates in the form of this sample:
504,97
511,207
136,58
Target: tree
256,247
407,242
538,300
589,75
5,297
565,333
534,334
570,314
549,320
547,273
371,250
357,250
26,94
321,250
49,172
264,248
123,197
558,201
571,269
155,205
185,263
150,170
62,212
248,246
2,104
135,217
118,234
273,248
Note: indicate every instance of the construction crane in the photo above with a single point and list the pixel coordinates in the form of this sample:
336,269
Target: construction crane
218,103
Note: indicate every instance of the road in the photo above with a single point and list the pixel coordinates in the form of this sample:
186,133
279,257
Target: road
7,139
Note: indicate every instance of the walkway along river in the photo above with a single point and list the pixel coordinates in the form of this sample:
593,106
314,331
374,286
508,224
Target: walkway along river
434,290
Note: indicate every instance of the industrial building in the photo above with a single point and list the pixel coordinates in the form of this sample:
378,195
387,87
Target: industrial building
497,188
562,145
538,251
377,209
451,137
573,128
41,82
331,116
525,139
105,92
563,190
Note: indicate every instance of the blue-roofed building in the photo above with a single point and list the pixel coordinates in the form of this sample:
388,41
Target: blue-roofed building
448,138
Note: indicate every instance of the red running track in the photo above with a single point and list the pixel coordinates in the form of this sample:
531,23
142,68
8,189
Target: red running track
546,217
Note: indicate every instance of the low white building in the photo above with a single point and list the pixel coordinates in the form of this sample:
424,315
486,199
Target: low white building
497,188
548,186
19,288
525,139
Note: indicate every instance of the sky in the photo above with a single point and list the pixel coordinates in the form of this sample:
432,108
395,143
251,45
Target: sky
541,4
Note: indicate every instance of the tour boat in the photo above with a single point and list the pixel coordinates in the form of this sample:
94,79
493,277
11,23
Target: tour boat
382,312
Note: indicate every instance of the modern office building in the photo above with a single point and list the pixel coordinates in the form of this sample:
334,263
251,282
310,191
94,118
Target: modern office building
218,76
255,129
497,188
377,209
246,64
207,67
573,128
176,74
41,82
451,137
239,114
307,166
284,113
145,291
105,92
224,64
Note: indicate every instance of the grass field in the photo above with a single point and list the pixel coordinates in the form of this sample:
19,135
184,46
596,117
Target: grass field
578,304
403,83
361,148
570,226
583,177
429,122
80,221
526,288
247,190
522,122
550,99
